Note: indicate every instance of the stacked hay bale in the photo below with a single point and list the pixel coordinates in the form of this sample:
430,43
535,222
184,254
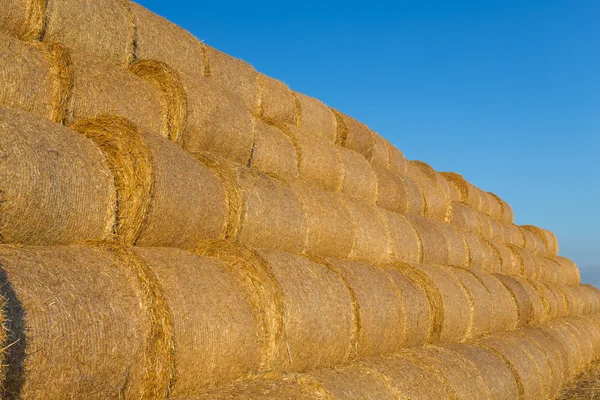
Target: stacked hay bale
201,223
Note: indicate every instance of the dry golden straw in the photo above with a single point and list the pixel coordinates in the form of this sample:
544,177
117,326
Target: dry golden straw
23,19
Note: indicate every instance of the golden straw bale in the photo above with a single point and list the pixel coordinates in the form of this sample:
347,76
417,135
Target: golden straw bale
381,307
262,290
354,135
573,302
276,102
404,239
398,163
495,206
491,260
319,320
594,298
506,212
529,265
265,387
520,362
465,217
100,88
505,311
570,270
533,242
464,378
89,313
437,205
380,157
36,78
469,194
417,307
166,198
583,342
562,306
485,202
99,29
479,258
448,189
509,262
359,178
513,235
540,357
412,379
23,19
57,187
572,349
496,374
551,270
273,217
398,193
549,241
458,253
456,305
372,242
548,300
529,304
355,382
235,75
273,152
161,40
434,244
329,225
496,229
317,118
481,302
557,354
211,315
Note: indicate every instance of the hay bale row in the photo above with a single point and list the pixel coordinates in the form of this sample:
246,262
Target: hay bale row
437,204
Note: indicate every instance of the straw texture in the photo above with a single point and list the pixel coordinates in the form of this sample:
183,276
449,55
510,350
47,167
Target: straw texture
317,118
276,101
23,19
354,135
56,186
359,179
273,152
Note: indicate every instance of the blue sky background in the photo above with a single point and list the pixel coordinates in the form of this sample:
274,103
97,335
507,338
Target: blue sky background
505,92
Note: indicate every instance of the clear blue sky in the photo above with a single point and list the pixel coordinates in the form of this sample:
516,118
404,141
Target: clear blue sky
505,92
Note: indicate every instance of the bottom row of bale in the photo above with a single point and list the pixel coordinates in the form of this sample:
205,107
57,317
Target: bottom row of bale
105,321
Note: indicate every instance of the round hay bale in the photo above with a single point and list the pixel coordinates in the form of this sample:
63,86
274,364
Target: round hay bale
506,212
355,382
276,101
465,217
583,340
548,299
70,23
211,315
529,305
161,40
437,205
505,311
455,322
434,244
372,242
562,305
574,305
317,118
553,272
452,190
594,298
103,89
496,229
548,382
533,242
509,263
479,257
165,197
404,239
496,374
570,270
354,135
458,253
513,235
234,74
319,161
568,343
481,302
469,194
413,380
35,78
549,245
399,194
463,376
319,320
485,206
272,217
417,308
491,259
82,322
381,306
359,179
398,163
23,19
380,158
556,352
519,361
262,290
330,231
57,187
267,387
273,152
495,206
529,266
